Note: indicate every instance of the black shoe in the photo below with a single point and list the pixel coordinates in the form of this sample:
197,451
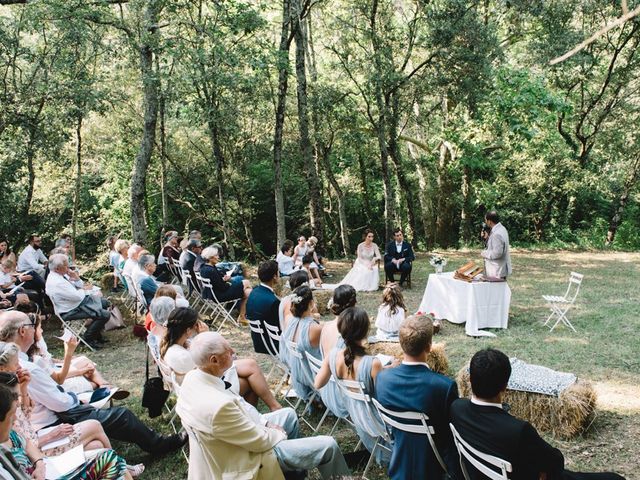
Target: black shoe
93,344
102,340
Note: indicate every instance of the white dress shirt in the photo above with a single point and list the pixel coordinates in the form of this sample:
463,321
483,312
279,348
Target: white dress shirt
285,263
31,259
6,278
46,394
399,247
482,403
65,294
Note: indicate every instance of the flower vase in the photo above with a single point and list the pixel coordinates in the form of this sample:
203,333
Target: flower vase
439,269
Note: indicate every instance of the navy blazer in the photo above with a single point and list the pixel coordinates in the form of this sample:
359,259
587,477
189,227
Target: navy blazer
391,253
417,388
263,304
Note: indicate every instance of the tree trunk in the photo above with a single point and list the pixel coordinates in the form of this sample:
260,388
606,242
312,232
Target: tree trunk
76,197
316,213
214,136
365,188
466,230
444,219
342,215
283,78
150,101
616,218
163,164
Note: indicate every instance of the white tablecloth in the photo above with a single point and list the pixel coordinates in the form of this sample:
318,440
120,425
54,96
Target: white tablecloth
480,305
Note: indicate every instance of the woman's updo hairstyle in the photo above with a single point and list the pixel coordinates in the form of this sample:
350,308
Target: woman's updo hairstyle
300,301
297,278
344,296
353,325
180,320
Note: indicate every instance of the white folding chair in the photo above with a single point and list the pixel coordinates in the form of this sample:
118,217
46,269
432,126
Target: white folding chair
75,326
223,308
208,306
355,391
273,337
295,352
414,422
133,294
560,305
315,365
493,467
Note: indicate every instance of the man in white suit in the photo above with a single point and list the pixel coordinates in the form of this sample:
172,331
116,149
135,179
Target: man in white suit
230,439
497,258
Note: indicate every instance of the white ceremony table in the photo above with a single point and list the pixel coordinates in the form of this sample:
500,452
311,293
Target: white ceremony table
479,304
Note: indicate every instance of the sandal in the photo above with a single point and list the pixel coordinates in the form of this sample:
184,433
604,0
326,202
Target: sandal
135,470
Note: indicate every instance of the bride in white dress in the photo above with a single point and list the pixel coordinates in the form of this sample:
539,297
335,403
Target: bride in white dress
364,275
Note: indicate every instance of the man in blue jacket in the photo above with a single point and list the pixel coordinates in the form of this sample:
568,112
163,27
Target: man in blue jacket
263,304
398,257
414,387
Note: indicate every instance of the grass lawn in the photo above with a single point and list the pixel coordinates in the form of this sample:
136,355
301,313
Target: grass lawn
605,351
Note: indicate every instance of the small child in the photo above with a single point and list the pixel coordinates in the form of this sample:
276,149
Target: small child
390,313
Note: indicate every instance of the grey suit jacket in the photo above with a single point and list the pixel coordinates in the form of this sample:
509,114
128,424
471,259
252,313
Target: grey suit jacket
497,258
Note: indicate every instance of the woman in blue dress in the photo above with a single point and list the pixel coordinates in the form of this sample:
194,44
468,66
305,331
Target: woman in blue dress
304,331
352,363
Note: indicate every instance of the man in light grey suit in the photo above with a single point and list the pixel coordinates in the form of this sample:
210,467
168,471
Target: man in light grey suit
497,261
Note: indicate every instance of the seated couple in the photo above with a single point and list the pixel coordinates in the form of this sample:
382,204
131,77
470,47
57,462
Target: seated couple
28,448
229,440
52,404
180,325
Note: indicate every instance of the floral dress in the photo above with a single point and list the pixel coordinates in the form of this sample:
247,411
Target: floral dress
106,465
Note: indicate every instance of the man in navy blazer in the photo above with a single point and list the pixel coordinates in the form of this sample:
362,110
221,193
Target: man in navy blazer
398,257
414,387
263,304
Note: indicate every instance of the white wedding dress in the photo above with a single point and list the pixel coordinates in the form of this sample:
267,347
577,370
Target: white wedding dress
362,276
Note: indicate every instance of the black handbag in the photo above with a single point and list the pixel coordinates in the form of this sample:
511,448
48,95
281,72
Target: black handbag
154,395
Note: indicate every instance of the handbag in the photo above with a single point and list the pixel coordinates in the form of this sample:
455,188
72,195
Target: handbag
154,395
115,320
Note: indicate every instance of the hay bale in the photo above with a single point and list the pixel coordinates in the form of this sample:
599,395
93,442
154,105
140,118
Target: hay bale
563,417
437,358
106,283
322,298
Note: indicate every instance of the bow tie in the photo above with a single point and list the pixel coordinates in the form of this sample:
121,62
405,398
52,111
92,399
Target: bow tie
227,385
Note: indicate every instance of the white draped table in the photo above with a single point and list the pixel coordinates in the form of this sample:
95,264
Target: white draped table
480,304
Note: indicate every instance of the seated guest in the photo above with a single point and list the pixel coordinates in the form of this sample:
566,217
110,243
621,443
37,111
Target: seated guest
89,433
414,387
159,310
146,281
130,266
314,278
32,259
76,373
285,258
9,279
297,278
72,301
5,251
263,304
223,288
390,313
163,291
114,259
344,296
9,468
169,252
230,441
353,363
188,259
245,376
121,247
485,425
51,404
398,257
305,331
300,251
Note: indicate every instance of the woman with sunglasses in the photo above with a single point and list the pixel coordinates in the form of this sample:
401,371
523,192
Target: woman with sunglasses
24,443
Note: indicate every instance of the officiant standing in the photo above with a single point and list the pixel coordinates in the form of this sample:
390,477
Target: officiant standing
497,260
398,257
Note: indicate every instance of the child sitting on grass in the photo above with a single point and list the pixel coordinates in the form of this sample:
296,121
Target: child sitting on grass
390,313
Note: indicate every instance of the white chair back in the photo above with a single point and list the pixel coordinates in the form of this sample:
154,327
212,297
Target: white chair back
575,281
273,337
416,422
492,467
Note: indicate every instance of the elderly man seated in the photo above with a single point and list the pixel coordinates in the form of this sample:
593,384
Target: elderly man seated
228,439
73,301
52,404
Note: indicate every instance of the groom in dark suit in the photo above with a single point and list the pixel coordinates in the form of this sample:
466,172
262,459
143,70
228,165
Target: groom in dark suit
263,304
485,425
414,387
398,257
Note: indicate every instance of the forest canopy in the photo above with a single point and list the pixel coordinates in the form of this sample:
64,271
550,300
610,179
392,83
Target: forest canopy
257,121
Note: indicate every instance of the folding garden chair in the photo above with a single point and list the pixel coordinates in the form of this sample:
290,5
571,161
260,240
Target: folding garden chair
492,467
410,422
273,337
295,352
223,308
75,326
560,305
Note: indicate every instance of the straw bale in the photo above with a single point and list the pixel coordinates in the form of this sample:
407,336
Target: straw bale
437,358
322,298
563,417
106,283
